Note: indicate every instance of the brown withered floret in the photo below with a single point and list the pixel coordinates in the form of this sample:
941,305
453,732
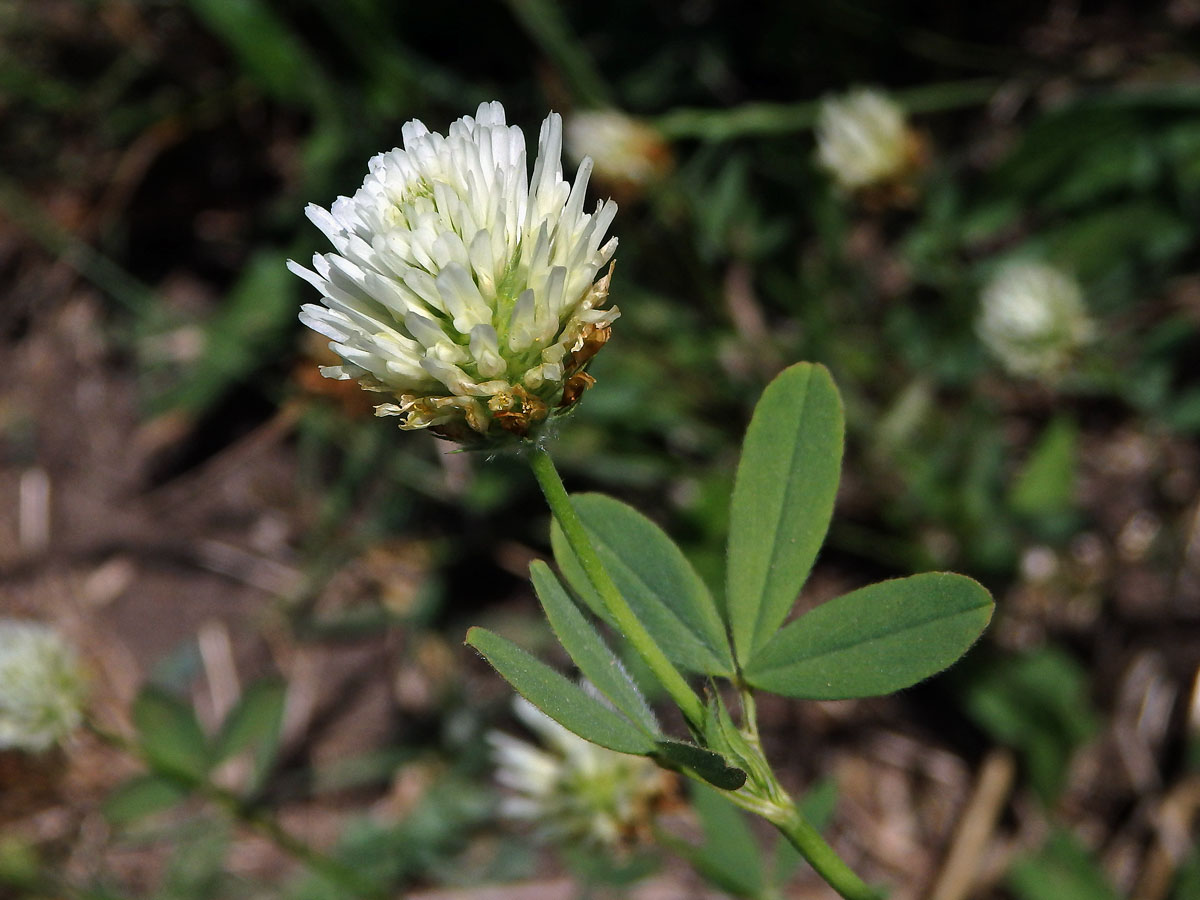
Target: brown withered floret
574,388
591,339
525,411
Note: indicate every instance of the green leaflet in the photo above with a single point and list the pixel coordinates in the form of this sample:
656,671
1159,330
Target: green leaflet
559,697
710,766
1063,869
782,501
654,577
587,650
875,640
142,796
1045,485
1038,703
255,722
255,719
169,735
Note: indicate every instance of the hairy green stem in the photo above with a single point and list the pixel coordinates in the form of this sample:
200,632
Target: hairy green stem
763,795
627,621
805,838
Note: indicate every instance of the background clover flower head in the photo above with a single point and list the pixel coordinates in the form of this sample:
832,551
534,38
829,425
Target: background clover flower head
864,140
575,790
1033,318
628,152
462,286
42,686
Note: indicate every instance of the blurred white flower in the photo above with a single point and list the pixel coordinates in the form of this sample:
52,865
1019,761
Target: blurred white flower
625,149
574,790
864,141
1033,318
42,686
460,286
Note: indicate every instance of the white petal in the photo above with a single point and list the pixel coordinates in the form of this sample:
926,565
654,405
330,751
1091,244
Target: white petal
522,323
485,347
462,299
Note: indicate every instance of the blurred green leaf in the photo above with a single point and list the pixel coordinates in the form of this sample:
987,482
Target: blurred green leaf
783,498
257,716
588,651
654,577
254,722
1062,870
20,865
819,801
142,796
169,735
879,639
1097,244
1072,156
1038,704
1187,881
608,869
722,202
1184,414
1046,483
424,846
265,46
197,869
559,697
730,857
546,23
256,315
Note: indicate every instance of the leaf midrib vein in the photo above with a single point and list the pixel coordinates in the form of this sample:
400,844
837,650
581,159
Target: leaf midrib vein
830,651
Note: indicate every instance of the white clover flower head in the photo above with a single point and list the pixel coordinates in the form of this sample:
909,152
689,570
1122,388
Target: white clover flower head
626,150
461,286
42,686
864,141
575,791
1033,318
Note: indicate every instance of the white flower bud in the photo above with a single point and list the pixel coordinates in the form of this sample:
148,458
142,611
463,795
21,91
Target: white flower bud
574,790
42,686
1033,318
864,141
625,150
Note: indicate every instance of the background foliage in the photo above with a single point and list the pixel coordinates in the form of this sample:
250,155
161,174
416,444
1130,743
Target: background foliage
208,491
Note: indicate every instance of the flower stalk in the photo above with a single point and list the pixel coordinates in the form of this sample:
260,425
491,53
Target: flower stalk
631,627
804,837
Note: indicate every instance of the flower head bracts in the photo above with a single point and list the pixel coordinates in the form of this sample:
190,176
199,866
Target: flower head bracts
462,287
